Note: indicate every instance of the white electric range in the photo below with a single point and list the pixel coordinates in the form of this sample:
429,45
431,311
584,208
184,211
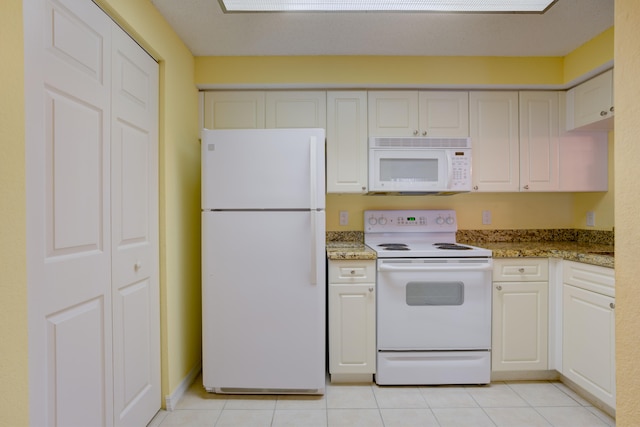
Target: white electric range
433,299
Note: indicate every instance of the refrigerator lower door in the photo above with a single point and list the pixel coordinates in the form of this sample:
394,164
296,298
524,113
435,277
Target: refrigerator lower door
263,302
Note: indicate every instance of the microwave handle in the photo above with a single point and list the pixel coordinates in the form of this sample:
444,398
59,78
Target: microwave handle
449,170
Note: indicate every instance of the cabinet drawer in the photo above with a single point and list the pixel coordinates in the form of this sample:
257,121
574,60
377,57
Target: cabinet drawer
352,271
521,270
590,277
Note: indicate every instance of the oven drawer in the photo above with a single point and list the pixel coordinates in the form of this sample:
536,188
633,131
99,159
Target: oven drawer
433,367
521,270
352,271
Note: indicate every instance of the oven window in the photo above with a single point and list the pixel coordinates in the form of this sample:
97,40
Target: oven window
409,170
435,293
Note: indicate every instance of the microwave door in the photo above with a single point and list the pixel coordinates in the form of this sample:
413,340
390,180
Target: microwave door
410,170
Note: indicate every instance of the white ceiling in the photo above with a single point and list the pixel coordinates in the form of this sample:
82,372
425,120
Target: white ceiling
208,32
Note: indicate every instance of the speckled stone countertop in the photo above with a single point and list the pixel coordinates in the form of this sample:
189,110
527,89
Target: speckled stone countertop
588,253
575,245
348,245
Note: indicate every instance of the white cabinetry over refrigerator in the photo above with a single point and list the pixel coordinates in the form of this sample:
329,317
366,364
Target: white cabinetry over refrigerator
264,109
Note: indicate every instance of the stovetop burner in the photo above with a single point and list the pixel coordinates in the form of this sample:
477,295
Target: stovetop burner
394,246
451,247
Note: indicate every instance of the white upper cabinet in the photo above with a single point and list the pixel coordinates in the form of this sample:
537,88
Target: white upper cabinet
347,142
234,110
419,113
296,109
260,109
590,104
539,141
444,113
493,127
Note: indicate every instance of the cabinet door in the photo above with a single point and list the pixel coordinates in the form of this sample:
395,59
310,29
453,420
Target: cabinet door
539,141
393,113
520,322
590,104
444,114
234,110
493,127
588,345
352,329
296,109
347,142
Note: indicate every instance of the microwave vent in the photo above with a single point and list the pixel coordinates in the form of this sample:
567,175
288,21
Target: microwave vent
417,142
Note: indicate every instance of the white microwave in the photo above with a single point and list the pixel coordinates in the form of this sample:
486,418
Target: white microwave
416,165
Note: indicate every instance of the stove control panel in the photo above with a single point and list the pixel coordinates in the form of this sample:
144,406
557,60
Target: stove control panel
399,221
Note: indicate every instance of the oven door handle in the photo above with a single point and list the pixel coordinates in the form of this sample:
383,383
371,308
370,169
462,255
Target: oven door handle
431,268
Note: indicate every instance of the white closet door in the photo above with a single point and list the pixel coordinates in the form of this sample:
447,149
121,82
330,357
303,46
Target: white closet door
68,78
91,155
134,222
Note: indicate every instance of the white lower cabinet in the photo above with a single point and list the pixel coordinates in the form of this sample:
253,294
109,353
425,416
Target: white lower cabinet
588,329
352,320
520,314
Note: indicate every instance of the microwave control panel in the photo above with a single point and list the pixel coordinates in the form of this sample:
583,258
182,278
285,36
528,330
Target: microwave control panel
461,173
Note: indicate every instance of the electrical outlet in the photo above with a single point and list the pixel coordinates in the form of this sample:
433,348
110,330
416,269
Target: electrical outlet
486,217
344,218
591,219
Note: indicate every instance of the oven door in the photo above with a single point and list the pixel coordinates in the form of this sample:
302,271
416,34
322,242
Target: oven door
434,304
424,170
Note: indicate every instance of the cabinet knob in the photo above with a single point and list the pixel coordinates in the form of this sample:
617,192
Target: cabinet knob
521,270
526,187
603,113
475,187
352,272
499,287
137,266
415,133
371,289
612,305
424,133
611,109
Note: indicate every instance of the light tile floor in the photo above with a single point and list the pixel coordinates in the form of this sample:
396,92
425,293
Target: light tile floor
509,404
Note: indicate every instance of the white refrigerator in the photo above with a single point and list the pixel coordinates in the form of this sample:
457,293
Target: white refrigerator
263,261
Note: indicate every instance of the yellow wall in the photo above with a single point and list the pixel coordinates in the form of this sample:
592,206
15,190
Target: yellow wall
14,373
363,71
179,187
627,210
589,56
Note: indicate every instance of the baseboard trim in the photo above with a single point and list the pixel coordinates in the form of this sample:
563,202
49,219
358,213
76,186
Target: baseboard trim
171,400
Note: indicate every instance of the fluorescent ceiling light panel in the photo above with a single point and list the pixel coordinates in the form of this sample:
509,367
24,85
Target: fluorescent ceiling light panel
441,6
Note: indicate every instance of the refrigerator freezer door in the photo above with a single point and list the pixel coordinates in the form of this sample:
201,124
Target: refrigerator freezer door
263,296
263,169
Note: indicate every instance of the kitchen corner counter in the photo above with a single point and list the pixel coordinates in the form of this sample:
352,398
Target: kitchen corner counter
588,253
349,250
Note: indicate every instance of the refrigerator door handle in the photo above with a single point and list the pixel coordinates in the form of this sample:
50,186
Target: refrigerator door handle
313,171
314,248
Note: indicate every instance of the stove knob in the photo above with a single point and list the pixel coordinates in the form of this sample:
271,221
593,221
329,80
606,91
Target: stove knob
450,220
382,220
439,220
